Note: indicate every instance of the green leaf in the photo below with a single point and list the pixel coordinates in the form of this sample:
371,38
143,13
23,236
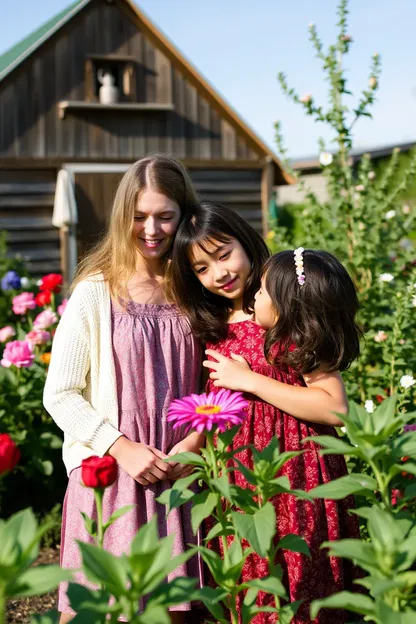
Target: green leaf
344,600
222,485
174,498
360,552
103,568
90,524
288,612
146,538
295,543
117,514
202,507
345,486
212,598
177,591
335,445
268,584
154,615
37,581
258,528
85,600
187,458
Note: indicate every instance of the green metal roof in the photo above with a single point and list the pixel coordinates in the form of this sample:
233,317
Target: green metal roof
17,53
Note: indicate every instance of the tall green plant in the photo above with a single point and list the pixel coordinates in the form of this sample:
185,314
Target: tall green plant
363,222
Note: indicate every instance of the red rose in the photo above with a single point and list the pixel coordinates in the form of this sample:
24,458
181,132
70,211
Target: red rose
99,472
9,453
52,282
43,298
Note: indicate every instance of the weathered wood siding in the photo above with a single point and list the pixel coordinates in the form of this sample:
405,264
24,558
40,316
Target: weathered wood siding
29,121
26,205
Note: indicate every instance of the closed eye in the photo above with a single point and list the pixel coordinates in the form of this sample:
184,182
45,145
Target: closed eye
225,255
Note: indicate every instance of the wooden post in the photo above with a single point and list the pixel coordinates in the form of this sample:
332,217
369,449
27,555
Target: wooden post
64,236
267,178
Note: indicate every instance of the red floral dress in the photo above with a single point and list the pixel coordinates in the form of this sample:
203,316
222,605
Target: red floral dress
305,578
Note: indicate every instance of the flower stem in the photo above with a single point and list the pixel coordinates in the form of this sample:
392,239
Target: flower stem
98,495
2,605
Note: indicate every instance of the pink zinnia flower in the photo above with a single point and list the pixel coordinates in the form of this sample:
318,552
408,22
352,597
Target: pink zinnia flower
45,319
23,302
6,333
204,411
38,337
61,308
17,353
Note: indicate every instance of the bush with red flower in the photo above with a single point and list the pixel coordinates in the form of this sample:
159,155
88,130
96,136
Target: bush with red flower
29,314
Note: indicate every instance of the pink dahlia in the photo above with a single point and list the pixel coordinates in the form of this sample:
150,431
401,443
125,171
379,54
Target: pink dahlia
45,319
204,411
37,337
23,302
6,333
17,353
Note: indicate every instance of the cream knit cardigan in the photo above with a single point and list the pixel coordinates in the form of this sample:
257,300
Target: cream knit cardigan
80,391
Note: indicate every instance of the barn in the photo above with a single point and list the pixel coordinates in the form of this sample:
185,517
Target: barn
54,119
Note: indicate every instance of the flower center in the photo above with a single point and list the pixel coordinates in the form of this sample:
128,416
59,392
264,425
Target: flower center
208,409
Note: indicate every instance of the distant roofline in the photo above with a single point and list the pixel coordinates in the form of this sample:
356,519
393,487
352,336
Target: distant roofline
70,12
305,164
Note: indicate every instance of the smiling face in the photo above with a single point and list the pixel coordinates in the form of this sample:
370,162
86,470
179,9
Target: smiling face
156,220
264,310
222,268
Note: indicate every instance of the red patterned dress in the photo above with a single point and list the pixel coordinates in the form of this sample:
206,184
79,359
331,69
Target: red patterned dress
305,578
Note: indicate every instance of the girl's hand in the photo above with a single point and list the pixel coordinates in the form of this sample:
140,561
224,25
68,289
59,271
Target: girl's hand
142,462
232,374
192,443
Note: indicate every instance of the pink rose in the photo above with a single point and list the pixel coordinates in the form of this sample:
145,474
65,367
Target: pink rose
45,319
37,337
6,333
61,308
17,353
23,302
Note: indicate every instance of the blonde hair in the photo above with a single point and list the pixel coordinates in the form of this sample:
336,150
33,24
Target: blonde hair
114,257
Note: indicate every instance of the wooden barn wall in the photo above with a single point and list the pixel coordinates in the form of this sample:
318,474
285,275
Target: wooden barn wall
26,205
29,121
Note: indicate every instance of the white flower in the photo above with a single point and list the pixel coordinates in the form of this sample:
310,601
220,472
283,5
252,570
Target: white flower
372,83
361,226
375,55
407,381
371,175
325,158
390,214
369,406
360,188
305,99
414,302
386,277
406,209
311,24
39,283
380,336
25,282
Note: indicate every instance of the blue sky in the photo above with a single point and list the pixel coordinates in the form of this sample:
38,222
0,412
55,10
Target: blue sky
240,45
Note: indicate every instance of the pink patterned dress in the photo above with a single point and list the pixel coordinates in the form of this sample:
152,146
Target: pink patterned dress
156,359
305,578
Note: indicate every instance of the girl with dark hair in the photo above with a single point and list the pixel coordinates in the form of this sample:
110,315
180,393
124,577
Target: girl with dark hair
284,346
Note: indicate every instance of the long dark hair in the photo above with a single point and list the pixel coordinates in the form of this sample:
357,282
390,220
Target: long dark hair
208,313
316,322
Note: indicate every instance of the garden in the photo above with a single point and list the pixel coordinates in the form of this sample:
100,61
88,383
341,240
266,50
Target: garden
369,223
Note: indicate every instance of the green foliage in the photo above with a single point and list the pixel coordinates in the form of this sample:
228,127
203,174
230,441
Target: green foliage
365,222
388,557
247,515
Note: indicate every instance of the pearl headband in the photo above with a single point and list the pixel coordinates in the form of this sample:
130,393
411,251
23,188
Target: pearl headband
300,275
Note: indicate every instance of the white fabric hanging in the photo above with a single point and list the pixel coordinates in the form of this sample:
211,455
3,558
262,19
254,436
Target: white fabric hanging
65,206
